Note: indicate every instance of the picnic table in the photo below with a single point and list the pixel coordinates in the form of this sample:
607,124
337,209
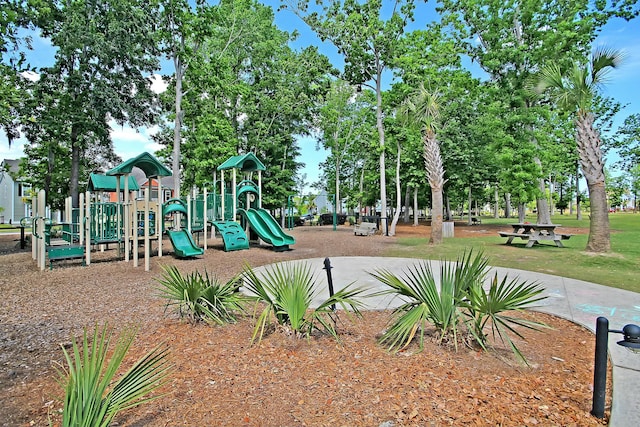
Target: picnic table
535,233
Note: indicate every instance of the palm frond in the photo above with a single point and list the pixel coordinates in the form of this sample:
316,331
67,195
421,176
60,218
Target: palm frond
89,376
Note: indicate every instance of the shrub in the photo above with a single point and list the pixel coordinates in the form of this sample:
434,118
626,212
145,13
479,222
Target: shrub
199,297
460,299
287,290
92,397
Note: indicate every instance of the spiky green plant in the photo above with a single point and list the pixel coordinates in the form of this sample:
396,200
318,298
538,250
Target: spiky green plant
427,300
459,298
287,291
93,397
484,308
199,297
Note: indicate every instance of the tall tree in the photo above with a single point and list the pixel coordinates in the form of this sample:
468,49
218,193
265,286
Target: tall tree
576,91
510,40
424,108
105,51
342,121
13,18
369,45
628,142
181,31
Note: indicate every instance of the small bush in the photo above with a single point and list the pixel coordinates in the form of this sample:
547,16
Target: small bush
199,297
287,291
92,397
458,300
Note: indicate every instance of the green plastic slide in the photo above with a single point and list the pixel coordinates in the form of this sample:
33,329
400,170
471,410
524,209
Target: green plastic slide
183,244
233,235
268,228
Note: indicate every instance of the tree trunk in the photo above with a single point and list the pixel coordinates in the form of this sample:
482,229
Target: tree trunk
415,206
507,205
435,174
521,212
396,214
599,234
407,200
592,164
447,213
470,201
578,207
542,205
496,209
337,199
436,216
177,127
75,167
380,127
361,189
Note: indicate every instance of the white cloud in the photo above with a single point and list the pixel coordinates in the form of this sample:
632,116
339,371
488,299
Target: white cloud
157,84
16,150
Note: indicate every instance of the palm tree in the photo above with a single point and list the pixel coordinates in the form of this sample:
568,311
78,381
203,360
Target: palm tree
423,107
576,91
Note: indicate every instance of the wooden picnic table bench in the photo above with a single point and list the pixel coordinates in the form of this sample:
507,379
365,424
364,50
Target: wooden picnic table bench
535,233
365,229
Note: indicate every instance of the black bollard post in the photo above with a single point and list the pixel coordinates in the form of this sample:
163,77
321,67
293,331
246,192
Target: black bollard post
600,367
327,267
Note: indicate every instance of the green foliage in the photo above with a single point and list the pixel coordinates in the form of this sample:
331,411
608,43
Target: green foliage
199,297
457,299
484,308
287,292
93,396
105,52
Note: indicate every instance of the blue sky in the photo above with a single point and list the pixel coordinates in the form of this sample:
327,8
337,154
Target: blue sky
624,86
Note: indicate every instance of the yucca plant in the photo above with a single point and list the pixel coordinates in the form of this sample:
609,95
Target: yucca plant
93,397
287,291
428,302
484,308
459,298
199,297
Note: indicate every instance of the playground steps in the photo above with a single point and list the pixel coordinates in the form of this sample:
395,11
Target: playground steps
62,252
233,235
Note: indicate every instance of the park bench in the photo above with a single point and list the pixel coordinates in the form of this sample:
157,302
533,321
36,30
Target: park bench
365,229
63,252
511,236
475,220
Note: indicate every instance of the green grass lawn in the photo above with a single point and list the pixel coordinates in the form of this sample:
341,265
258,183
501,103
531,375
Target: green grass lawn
618,269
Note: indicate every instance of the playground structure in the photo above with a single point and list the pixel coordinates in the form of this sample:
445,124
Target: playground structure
235,212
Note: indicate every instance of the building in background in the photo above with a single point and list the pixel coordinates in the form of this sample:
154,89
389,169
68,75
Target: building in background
14,195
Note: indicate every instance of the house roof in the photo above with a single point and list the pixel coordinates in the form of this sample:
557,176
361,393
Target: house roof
12,166
245,162
99,182
146,162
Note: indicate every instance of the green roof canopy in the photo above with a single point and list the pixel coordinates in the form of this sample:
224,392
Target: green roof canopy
246,163
99,182
151,166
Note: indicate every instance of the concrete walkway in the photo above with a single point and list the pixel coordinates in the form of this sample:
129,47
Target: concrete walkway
575,300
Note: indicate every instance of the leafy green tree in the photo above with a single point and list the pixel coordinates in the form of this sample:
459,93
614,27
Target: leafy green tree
634,181
628,143
14,16
105,53
617,188
510,41
369,45
575,91
342,121
181,29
